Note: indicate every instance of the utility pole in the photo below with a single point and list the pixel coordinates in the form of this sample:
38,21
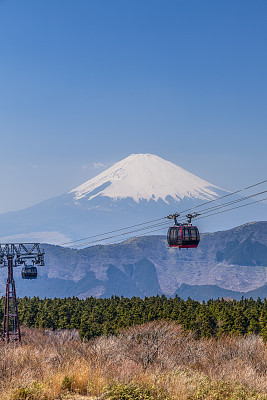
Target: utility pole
13,255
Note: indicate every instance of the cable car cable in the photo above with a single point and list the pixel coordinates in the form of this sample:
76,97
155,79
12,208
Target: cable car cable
122,234
231,202
116,230
226,195
158,219
162,224
233,208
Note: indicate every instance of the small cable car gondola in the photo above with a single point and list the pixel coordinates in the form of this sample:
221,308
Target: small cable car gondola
183,236
29,272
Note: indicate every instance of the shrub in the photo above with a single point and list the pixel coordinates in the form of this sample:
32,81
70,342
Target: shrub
67,382
223,390
33,392
123,391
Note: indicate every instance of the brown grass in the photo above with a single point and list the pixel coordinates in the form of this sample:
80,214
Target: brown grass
152,357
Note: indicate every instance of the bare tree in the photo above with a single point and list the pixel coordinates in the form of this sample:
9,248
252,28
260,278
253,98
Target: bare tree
143,343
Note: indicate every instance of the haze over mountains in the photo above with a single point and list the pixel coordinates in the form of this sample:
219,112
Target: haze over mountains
139,188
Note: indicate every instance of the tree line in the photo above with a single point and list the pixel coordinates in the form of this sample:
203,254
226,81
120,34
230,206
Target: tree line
94,317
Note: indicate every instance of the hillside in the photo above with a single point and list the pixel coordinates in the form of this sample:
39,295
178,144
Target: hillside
155,361
233,260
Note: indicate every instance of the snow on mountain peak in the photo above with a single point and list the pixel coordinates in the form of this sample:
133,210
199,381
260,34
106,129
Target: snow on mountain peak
146,176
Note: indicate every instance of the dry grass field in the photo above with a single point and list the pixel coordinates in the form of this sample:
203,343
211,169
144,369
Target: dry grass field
152,361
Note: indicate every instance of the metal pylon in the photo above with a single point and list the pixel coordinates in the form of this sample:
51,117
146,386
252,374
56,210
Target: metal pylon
11,328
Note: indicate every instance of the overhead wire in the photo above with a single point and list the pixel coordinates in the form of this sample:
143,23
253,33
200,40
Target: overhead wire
233,208
231,202
158,228
161,225
115,230
205,216
122,234
226,195
166,225
141,235
205,211
162,218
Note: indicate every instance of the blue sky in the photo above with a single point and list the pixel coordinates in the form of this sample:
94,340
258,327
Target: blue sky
85,83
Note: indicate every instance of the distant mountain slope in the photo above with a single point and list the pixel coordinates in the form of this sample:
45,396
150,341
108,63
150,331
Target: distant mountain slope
206,292
140,188
249,252
145,266
120,285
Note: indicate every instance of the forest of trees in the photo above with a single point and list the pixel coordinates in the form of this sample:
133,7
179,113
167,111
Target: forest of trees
94,317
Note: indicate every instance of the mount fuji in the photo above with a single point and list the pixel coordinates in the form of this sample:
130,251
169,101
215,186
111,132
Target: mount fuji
145,177
139,188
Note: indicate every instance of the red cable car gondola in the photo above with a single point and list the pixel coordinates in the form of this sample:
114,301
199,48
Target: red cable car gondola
183,236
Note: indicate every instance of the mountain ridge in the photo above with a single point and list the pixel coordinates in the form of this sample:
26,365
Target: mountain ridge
145,266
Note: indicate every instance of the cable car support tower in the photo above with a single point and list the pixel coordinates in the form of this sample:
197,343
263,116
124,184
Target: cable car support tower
14,255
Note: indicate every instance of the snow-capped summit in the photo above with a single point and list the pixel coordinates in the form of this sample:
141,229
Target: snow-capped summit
148,177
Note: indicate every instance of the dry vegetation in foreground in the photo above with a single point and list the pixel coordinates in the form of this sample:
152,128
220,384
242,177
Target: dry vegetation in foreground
152,361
